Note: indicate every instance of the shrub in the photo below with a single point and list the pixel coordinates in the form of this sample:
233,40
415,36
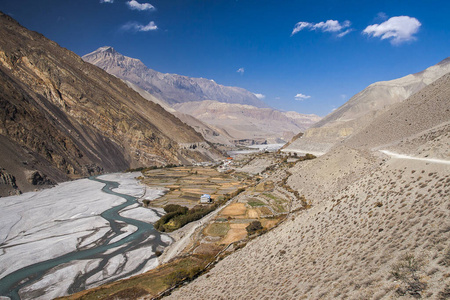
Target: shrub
253,227
175,207
177,216
309,156
181,275
446,259
407,271
159,225
445,293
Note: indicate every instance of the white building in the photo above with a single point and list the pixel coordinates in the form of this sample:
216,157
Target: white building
205,198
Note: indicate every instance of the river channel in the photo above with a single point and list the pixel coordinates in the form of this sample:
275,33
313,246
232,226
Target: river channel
107,247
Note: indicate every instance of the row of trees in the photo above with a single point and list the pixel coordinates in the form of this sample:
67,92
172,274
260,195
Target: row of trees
177,216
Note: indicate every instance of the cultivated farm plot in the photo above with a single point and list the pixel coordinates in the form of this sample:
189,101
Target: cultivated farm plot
278,204
187,184
252,213
234,210
264,211
237,232
217,229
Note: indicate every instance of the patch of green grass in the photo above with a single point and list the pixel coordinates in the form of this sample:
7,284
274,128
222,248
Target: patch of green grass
273,197
278,207
255,202
218,229
221,220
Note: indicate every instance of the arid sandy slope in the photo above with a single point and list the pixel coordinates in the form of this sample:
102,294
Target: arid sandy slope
371,213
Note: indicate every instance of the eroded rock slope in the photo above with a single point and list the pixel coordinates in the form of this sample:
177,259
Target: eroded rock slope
66,118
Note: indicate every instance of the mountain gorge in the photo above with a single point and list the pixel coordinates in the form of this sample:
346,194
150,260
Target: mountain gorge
233,114
63,118
368,218
375,224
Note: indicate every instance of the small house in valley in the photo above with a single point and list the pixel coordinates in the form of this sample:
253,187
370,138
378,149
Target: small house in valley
205,198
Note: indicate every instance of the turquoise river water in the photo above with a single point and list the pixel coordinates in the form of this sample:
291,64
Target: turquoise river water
13,282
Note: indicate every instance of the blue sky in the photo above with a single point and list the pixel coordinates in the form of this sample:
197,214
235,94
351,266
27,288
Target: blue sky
307,56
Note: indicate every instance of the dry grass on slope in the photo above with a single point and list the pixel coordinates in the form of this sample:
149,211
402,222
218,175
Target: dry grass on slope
432,144
326,175
349,246
428,108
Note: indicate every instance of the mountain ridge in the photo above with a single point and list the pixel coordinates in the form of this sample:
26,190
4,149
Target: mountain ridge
248,122
63,118
172,88
364,107
214,109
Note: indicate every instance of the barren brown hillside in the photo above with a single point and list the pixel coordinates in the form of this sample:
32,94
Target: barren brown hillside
365,107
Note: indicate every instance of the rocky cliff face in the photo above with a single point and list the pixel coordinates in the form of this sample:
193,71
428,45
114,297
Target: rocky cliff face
172,88
364,107
65,118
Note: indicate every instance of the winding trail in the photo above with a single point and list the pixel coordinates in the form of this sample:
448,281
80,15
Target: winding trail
425,159
144,236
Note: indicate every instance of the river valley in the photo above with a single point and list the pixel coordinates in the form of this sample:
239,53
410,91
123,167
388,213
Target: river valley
77,235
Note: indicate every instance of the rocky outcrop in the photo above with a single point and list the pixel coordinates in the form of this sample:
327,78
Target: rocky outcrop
7,179
172,88
36,178
8,184
66,118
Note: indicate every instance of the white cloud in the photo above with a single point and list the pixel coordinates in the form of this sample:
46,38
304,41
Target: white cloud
106,1
301,97
398,29
331,26
241,70
134,26
133,4
300,26
344,33
382,16
341,29
260,96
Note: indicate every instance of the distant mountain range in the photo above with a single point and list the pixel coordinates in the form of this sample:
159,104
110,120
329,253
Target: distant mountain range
363,108
171,88
246,123
223,115
63,118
